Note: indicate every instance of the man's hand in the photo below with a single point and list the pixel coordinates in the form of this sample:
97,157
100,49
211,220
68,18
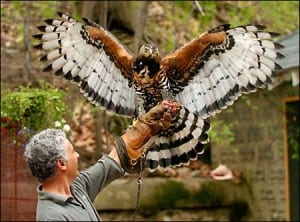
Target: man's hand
131,145
160,116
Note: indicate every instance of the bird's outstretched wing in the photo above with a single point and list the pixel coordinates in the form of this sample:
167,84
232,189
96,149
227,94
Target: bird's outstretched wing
210,72
90,56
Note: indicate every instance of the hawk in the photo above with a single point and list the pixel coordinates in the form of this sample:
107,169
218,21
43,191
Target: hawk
206,75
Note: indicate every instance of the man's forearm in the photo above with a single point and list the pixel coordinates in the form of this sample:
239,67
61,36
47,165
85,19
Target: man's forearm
114,155
135,143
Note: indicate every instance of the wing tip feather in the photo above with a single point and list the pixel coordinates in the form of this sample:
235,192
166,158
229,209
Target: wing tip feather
60,14
49,21
42,28
38,36
39,46
48,68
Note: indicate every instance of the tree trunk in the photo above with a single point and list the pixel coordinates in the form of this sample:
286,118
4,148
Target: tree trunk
140,20
99,143
88,9
122,14
103,9
26,71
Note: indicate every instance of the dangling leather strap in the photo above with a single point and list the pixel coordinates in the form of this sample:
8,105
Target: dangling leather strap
139,180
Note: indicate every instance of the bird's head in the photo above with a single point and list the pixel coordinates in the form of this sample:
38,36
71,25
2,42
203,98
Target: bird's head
147,62
149,52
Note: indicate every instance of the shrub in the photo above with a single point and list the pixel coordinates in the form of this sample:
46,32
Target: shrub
31,109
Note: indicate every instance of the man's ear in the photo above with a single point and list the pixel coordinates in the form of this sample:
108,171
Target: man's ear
61,165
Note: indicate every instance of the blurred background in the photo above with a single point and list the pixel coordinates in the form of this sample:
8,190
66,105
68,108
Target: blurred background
256,141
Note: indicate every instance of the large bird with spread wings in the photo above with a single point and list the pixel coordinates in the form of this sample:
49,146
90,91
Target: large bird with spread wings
206,75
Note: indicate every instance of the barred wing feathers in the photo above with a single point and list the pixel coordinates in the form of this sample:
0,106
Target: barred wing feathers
210,72
91,57
182,142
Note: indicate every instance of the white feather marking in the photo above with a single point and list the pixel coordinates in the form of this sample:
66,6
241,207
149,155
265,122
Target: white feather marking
92,76
164,154
116,97
67,18
240,64
51,44
187,125
152,155
106,79
251,28
270,54
268,44
129,101
125,90
58,23
218,91
78,65
266,70
198,101
189,100
209,96
268,62
201,102
263,35
53,55
261,43
244,29
93,62
52,35
260,75
51,28
68,66
98,69
57,64
197,133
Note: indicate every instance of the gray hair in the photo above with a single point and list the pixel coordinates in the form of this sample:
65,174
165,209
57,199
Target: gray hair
43,150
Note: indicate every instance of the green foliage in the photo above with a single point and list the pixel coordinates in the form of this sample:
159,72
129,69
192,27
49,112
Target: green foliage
165,197
185,5
293,130
14,13
242,14
209,194
221,132
280,16
33,108
47,9
294,143
118,124
210,9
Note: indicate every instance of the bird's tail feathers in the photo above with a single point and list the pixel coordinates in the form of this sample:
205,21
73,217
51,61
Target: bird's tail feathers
182,142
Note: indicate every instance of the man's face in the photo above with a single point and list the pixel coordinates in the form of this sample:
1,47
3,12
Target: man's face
72,161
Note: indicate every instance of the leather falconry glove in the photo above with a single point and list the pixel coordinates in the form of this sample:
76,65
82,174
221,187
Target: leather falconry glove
133,144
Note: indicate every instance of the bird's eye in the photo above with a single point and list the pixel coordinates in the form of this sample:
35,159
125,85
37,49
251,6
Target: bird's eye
141,64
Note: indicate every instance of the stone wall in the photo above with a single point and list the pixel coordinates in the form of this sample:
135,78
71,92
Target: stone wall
170,199
259,150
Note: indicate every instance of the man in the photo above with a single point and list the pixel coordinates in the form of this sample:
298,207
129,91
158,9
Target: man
67,195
